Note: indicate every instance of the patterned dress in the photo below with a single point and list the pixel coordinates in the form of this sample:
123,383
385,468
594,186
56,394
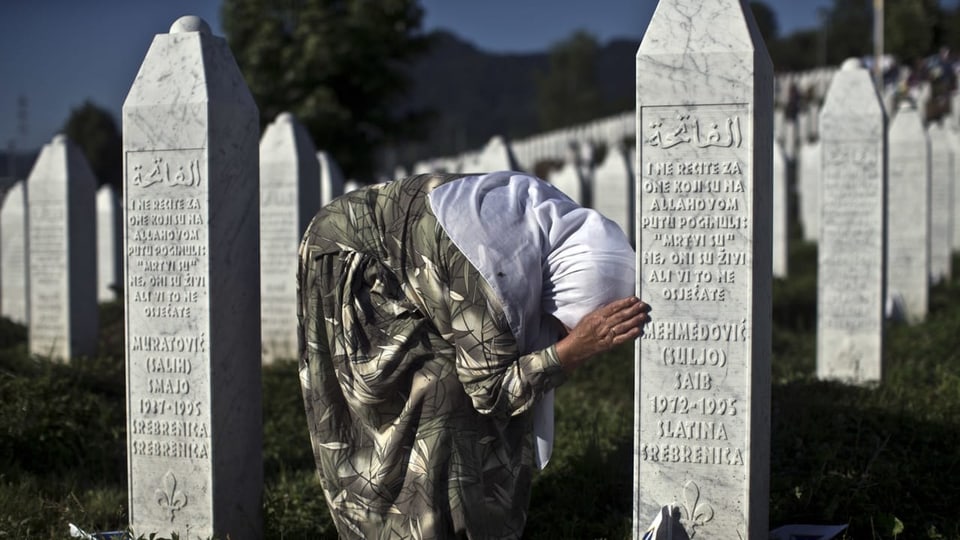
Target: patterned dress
417,398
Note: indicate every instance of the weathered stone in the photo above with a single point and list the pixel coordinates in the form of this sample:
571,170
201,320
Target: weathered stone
941,203
192,294
13,254
704,154
850,284
62,250
109,244
908,216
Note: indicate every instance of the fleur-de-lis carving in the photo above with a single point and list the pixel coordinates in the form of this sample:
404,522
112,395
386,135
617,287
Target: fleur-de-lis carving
698,513
168,497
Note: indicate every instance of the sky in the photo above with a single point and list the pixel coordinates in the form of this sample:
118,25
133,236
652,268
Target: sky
59,53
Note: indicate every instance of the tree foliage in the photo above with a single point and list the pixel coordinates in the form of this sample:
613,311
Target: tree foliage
568,92
94,130
766,21
338,65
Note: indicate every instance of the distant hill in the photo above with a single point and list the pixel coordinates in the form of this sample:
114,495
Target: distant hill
476,94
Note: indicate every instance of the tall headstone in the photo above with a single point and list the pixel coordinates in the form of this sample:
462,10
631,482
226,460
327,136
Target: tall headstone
331,178
61,198
850,283
941,203
908,216
192,291
809,189
13,254
289,198
495,156
570,181
704,167
613,190
781,217
109,244
954,140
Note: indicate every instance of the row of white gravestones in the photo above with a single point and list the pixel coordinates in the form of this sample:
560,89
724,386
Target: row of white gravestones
62,318
702,401
192,291
851,263
50,225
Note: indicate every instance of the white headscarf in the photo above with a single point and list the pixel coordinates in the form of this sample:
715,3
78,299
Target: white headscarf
541,253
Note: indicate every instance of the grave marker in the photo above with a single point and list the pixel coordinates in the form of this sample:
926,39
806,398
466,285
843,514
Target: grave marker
702,401
289,198
109,244
941,203
13,254
61,192
850,284
192,291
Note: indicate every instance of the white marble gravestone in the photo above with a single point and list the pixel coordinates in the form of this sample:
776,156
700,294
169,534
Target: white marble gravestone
192,291
941,203
109,244
908,216
496,155
570,181
613,190
61,215
781,217
331,178
289,198
808,171
13,254
850,283
953,138
704,152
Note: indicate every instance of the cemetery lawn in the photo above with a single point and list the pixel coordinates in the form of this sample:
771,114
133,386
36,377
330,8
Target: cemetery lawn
884,460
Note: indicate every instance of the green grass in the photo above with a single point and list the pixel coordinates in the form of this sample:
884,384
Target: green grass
884,460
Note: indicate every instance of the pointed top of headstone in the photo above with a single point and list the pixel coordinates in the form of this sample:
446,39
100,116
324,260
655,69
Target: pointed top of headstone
851,63
284,117
59,138
694,26
190,23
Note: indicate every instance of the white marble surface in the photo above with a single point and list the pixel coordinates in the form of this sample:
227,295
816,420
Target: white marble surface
908,216
192,292
289,198
109,244
13,254
942,187
331,177
495,156
808,172
63,318
781,216
850,279
704,220
613,190
570,181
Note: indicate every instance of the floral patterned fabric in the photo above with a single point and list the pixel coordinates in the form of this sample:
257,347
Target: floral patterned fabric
417,398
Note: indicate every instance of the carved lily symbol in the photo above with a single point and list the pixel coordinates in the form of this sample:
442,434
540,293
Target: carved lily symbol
168,497
697,512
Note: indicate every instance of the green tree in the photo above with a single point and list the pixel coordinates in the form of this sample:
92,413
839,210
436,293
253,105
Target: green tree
766,21
909,28
94,130
338,65
568,93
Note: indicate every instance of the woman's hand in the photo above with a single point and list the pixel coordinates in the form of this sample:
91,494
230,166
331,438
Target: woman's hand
603,329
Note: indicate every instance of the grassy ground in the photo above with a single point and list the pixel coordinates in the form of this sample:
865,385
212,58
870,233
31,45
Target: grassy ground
884,460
